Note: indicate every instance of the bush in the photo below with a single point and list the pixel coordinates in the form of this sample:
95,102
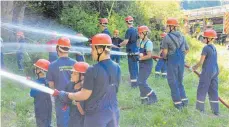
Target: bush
80,20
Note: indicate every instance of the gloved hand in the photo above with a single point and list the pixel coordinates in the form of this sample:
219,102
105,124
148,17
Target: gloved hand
63,97
119,45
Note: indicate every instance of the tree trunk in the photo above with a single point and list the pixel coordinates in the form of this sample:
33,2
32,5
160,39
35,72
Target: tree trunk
18,13
6,17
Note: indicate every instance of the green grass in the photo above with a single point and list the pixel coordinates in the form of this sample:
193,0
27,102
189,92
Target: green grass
163,114
17,106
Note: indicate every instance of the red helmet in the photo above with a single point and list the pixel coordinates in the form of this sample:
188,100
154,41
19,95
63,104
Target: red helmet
163,35
143,29
116,31
80,67
210,33
129,18
64,42
101,39
42,64
172,22
20,33
103,21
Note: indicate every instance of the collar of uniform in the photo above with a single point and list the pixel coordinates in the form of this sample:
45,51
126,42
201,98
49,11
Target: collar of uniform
105,60
41,79
63,57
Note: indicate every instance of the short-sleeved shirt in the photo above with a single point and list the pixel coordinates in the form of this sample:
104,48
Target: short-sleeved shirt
148,45
97,80
210,53
106,31
132,36
60,72
167,42
116,41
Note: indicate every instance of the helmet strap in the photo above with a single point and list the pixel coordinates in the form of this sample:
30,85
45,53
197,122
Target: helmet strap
75,83
78,80
171,28
145,34
209,39
99,54
57,50
38,74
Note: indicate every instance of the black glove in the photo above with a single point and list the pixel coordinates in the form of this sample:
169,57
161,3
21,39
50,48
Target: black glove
63,97
119,45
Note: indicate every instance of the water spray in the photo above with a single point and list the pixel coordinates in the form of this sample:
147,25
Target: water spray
10,48
46,32
26,82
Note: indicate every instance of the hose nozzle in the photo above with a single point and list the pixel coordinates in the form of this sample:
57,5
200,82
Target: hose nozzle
55,93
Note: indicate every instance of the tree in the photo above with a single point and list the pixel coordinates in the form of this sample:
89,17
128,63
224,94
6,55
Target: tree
12,12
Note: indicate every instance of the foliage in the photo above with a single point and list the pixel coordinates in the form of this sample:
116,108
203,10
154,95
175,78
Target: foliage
79,20
50,9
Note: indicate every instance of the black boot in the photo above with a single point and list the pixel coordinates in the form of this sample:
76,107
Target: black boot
144,101
179,106
134,85
185,103
152,98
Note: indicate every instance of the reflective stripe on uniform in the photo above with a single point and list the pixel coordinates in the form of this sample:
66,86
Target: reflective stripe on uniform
184,99
149,93
164,73
199,101
214,101
133,80
157,72
143,97
179,102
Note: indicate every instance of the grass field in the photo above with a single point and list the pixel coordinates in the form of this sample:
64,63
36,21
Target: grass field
17,106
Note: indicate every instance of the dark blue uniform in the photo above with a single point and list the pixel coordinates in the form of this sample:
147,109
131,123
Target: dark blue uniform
176,45
116,41
209,80
42,105
145,67
20,55
60,73
52,53
132,48
106,31
101,109
76,119
161,66
79,58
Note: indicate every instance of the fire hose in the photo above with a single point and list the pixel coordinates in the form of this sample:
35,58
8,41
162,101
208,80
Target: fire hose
198,74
